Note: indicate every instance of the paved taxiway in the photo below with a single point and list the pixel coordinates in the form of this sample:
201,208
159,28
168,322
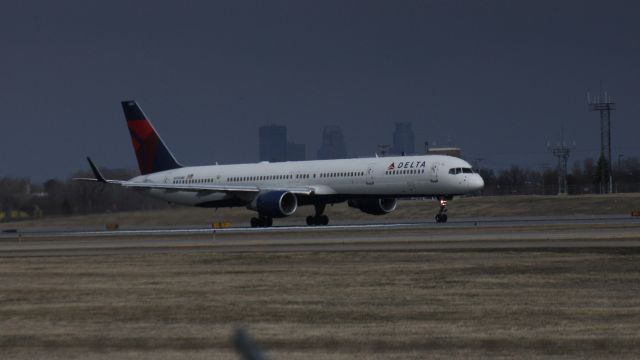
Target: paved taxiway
496,234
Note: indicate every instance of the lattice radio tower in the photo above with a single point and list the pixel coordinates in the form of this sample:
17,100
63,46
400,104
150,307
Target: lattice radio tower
562,152
605,105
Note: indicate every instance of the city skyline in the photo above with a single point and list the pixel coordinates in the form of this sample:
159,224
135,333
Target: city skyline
333,144
404,138
272,143
497,79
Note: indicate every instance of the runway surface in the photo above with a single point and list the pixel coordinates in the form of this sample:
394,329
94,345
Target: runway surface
484,234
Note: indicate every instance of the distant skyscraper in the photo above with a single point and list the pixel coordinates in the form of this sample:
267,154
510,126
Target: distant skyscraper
273,143
403,139
296,152
333,146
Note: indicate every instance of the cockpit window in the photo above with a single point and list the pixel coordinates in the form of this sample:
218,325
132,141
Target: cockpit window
455,171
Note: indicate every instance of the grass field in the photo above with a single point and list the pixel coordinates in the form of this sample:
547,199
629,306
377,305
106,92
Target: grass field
362,305
328,305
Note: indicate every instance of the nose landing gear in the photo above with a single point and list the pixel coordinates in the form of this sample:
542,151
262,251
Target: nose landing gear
441,217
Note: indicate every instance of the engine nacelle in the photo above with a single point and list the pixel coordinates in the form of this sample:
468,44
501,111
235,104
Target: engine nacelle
275,204
374,206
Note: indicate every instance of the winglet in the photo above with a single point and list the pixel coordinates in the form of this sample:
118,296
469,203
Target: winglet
96,172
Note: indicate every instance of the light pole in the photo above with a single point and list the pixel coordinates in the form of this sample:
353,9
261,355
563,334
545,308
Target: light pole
620,156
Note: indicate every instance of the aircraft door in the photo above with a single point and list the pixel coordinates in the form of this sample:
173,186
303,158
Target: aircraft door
370,173
434,173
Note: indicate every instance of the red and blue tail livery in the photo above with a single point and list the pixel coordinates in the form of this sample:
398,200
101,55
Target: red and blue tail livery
152,153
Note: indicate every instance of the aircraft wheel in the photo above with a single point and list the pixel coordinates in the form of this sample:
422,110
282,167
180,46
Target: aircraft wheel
254,222
443,218
324,220
310,220
438,219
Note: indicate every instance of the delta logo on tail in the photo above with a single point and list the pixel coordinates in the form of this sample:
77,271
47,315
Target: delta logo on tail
151,152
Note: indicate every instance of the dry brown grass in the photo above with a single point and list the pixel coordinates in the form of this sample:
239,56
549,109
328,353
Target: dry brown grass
324,305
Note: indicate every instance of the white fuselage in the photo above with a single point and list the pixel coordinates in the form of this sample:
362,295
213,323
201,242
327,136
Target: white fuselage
390,177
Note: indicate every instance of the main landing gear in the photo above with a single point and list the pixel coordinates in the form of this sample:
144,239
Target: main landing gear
441,217
261,221
318,218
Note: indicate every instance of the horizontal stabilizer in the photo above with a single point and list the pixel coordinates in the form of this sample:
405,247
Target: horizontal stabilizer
96,171
98,175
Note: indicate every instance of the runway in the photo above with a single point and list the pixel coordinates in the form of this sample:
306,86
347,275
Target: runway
474,234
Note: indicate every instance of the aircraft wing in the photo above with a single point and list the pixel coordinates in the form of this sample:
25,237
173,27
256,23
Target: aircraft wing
116,182
301,190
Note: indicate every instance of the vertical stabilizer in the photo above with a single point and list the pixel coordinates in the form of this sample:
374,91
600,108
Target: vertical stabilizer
152,153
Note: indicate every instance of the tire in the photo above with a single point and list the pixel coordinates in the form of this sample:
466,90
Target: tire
254,222
438,218
443,218
324,220
310,221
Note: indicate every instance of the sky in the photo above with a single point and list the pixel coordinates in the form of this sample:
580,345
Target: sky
500,79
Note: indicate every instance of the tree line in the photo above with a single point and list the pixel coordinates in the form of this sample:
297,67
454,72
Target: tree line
67,197
585,177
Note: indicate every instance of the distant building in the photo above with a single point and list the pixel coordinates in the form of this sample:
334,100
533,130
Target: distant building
333,146
403,139
273,143
296,152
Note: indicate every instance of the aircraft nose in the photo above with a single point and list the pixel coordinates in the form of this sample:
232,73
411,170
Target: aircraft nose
476,183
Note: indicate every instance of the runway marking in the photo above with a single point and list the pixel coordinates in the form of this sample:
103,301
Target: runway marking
493,236
463,224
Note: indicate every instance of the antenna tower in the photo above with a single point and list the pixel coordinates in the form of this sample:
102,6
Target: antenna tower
562,152
605,105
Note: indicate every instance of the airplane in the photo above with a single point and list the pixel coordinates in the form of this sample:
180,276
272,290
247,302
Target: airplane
276,190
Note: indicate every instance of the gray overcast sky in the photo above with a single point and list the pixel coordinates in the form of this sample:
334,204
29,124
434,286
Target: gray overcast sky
497,78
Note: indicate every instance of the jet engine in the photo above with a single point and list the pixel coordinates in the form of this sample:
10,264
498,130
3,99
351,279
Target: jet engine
275,204
374,206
